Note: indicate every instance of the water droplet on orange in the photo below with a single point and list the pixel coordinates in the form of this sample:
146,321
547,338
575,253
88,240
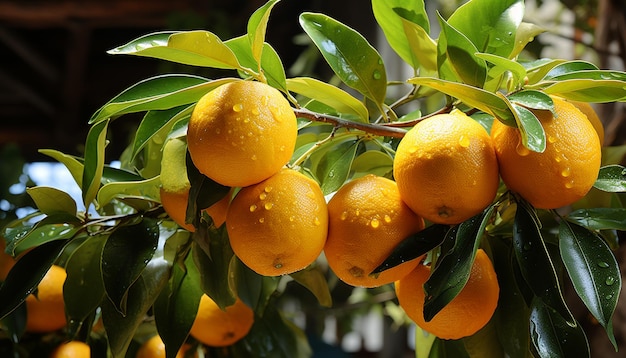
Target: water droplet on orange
566,172
253,157
317,221
262,220
387,219
569,184
255,111
268,206
267,189
238,107
375,223
262,196
464,141
344,215
252,208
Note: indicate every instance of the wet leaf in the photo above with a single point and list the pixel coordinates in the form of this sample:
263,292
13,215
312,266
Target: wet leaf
570,68
526,33
587,90
611,178
600,218
334,167
147,189
594,272
348,53
531,131
554,336
126,253
533,100
535,262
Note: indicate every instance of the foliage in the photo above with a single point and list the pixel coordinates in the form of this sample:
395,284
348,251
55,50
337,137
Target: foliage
129,262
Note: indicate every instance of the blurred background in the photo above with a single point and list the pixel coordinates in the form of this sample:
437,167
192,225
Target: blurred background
55,73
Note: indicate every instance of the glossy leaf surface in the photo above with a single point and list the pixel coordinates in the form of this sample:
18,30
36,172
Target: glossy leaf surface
554,336
94,161
611,178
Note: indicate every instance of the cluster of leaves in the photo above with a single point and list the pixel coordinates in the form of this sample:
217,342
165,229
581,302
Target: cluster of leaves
129,260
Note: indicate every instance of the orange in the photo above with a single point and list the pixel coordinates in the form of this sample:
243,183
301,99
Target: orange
155,348
466,314
72,349
219,328
564,172
279,225
6,261
241,133
367,220
592,116
46,311
175,186
446,168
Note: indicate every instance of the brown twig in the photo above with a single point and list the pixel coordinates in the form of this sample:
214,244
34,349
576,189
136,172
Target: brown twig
376,129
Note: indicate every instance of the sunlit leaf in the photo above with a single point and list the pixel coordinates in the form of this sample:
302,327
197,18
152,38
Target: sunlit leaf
503,64
526,33
475,97
158,93
423,47
611,178
334,167
453,268
491,25
594,272
600,218
257,26
94,161
125,255
196,48
535,262
314,280
147,189
588,90
533,100
83,290
570,68
531,131
176,306
328,94
390,16
348,53
374,162
554,336
26,274
74,166
461,54
51,200
273,68
538,69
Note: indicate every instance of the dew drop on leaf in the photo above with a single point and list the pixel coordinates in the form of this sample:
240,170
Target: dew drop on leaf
376,75
603,264
609,280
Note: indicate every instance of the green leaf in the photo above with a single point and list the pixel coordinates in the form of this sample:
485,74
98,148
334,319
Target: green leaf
538,69
526,33
155,123
314,280
372,162
461,54
503,64
491,25
391,15
348,53
253,289
594,272
176,306
124,257
554,336
26,274
273,68
600,218
146,189
535,262
212,254
145,289
51,200
203,192
475,97
612,179
531,130
414,246
54,227
334,167
588,90
158,93
83,290
533,100
94,161
194,48
423,47
73,165
570,68
453,268
330,95
257,26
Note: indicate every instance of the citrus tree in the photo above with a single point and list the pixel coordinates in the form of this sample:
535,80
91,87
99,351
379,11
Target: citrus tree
475,197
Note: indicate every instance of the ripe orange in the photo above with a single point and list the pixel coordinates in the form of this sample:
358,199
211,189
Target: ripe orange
592,116
6,261
175,186
564,172
466,314
155,348
219,328
241,133
367,219
446,168
279,225
72,349
46,312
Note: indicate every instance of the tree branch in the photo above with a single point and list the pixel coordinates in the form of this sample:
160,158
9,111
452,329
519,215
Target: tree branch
375,129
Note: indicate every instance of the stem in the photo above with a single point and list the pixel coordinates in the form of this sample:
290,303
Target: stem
413,122
386,131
